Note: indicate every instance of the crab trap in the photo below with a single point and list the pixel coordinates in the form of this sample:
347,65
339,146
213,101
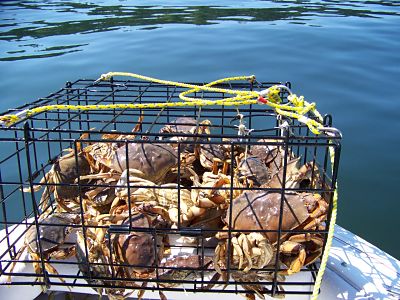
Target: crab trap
196,198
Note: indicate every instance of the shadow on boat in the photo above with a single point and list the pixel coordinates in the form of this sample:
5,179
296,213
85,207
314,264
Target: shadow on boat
368,271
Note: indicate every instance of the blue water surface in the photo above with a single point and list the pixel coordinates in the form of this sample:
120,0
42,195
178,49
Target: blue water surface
344,55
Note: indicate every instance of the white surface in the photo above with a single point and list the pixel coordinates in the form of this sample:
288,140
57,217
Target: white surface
359,270
356,270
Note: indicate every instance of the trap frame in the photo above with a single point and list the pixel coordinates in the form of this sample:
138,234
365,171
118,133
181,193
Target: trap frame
31,146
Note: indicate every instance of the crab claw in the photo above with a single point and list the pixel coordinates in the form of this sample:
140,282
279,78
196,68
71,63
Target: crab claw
289,248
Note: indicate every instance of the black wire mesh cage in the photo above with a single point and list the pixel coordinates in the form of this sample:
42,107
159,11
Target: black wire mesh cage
196,199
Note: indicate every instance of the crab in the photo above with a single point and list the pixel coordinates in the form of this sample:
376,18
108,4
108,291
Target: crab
272,154
212,155
261,211
128,254
138,249
186,125
306,176
252,281
266,152
54,232
254,171
101,193
183,267
247,280
100,154
179,125
152,161
94,262
61,180
139,255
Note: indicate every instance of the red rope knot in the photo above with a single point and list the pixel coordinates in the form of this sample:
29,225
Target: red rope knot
262,99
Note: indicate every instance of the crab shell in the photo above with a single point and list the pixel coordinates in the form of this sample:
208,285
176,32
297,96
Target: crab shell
209,152
179,125
136,248
183,267
254,169
261,211
54,240
272,155
306,176
153,160
185,125
267,152
101,195
66,172
52,234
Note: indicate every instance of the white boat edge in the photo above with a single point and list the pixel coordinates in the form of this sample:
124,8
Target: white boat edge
356,269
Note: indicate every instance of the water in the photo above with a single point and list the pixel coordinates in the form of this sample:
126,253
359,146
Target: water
343,55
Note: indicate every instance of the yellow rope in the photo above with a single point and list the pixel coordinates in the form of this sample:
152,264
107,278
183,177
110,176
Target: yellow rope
325,256
297,109
9,119
193,87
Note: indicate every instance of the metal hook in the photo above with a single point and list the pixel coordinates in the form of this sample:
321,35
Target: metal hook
242,129
97,81
265,92
331,131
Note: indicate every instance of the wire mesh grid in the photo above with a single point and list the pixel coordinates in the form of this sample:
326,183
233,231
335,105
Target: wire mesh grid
163,199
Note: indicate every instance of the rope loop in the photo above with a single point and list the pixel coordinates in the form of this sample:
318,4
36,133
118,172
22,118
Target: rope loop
296,109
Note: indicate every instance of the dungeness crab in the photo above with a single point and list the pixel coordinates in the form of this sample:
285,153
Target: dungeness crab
261,211
53,233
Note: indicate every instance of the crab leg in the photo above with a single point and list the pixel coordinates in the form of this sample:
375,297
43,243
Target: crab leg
62,254
226,166
247,250
238,250
216,161
137,128
315,222
220,251
15,262
141,292
49,268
